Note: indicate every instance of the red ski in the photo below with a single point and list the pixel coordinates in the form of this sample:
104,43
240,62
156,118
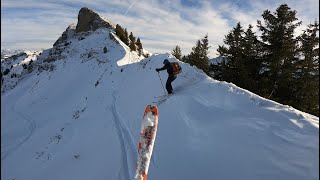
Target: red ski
146,141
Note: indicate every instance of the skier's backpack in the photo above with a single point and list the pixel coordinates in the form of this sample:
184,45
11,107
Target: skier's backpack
176,68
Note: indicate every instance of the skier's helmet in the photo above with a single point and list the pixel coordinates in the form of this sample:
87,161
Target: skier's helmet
166,61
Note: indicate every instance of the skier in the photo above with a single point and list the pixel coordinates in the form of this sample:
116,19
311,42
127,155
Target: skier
171,77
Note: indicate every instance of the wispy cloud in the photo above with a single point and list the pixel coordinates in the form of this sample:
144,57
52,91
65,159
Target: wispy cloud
160,24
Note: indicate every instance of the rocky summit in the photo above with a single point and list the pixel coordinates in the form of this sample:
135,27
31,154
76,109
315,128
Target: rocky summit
88,20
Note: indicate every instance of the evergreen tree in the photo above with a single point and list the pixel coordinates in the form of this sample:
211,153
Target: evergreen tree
126,36
131,37
185,58
280,66
307,73
138,43
121,33
139,46
232,67
176,52
117,29
199,55
280,51
252,49
132,42
132,46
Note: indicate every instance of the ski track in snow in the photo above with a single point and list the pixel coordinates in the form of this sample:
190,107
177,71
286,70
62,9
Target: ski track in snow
124,136
32,127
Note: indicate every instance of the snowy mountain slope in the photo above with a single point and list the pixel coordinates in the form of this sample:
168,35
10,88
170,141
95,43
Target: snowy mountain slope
15,66
209,127
18,58
81,120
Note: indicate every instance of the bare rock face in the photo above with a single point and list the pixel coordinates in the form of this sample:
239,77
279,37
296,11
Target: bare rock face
69,32
89,20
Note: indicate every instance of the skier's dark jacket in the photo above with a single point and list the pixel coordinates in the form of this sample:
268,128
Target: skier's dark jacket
169,69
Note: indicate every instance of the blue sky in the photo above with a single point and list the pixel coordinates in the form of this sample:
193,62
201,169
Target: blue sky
160,24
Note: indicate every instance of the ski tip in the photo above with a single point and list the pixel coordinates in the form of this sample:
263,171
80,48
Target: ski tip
151,108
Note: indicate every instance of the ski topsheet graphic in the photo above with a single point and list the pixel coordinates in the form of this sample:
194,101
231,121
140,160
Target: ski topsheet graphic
146,141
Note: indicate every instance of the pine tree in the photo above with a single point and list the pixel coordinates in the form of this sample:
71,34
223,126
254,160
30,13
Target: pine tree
132,46
176,52
139,45
307,73
232,67
121,33
117,29
194,56
199,55
252,49
280,66
132,42
131,37
241,56
185,58
126,37
280,51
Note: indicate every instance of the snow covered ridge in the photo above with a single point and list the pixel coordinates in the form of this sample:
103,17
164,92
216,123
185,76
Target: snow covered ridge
93,38
81,118
101,46
16,66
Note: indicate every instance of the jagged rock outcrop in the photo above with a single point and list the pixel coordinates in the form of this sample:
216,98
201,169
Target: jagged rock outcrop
88,20
68,33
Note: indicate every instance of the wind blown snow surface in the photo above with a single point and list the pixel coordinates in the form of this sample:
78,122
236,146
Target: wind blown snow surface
82,121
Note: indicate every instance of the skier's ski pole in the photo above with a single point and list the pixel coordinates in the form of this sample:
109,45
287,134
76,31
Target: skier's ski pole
162,84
